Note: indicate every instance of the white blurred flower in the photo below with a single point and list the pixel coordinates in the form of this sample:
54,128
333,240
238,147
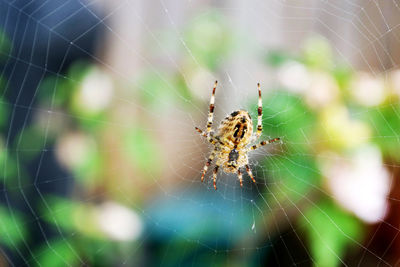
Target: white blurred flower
360,184
53,121
368,90
322,91
95,92
294,76
119,222
73,148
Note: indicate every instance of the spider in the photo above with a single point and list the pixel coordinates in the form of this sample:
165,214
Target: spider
231,143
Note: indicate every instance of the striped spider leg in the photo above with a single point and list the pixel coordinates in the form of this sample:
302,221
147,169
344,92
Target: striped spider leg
209,136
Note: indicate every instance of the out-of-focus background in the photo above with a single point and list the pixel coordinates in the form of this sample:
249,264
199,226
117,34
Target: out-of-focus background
100,164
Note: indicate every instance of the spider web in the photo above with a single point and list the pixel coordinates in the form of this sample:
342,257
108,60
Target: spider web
113,177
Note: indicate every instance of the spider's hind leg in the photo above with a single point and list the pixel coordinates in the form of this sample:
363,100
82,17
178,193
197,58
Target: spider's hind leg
250,173
240,176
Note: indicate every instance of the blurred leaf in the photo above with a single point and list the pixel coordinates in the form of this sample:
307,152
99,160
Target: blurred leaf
343,75
143,151
12,228
29,143
155,90
286,116
58,253
103,253
208,38
60,212
13,174
62,92
72,216
317,53
3,84
294,176
330,231
4,105
77,71
183,90
276,58
386,124
4,112
55,92
88,171
5,45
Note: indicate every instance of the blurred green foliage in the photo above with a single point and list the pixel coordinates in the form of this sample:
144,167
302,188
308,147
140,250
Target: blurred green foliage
317,53
295,176
343,75
331,231
7,165
72,216
64,93
88,170
276,58
295,172
5,45
13,228
29,143
83,238
143,152
209,38
4,113
154,88
386,124
57,253
287,116
55,91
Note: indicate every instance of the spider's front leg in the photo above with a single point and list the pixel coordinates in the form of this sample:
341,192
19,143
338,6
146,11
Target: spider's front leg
208,163
210,137
209,134
259,111
215,176
211,111
258,133
263,143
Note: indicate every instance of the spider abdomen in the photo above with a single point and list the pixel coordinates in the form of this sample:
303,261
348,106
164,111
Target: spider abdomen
236,129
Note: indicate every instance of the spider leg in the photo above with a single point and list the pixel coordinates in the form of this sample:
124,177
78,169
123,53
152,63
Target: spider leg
263,143
208,163
250,173
215,176
209,137
211,113
259,118
240,177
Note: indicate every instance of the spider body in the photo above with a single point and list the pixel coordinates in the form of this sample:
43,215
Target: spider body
232,140
235,132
